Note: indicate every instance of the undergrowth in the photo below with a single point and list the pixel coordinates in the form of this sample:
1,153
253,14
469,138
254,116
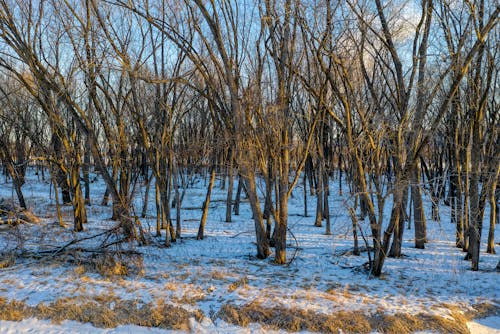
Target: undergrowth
105,311
109,311
295,320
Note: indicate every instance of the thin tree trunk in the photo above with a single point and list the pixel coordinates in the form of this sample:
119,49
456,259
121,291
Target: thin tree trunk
319,198
58,205
79,212
304,184
177,198
237,199
490,249
19,192
262,242
455,192
86,172
466,202
229,198
326,206
146,196
354,220
206,204
397,241
158,207
281,222
382,248
65,190
418,210
476,219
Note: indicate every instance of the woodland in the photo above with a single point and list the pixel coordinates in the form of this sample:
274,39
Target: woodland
271,107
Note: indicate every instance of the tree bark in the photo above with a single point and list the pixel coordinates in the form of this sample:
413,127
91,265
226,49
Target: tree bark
397,241
79,211
418,209
262,242
206,204
229,198
490,249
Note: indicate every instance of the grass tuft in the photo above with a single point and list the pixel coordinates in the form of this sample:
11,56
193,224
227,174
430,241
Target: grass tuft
295,320
242,282
13,310
104,311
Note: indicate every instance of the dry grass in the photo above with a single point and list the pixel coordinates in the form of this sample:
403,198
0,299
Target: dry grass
218,275
348,321
242,282
13,310
7,260
190,298
111,265
105,311
294,319
405,323
484,310
109,311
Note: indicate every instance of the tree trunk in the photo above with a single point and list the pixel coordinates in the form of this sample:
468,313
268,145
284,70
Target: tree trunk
268,203
476,219
354,220
79,212
19,192
466,201
490,249
206,204
326,205
304,184
86,172
62,180
397,241
145,205
455,193
158,207
237,199
281,222
260,232
229,198
318,222
177,198
58,205
107,192
382,247
418,209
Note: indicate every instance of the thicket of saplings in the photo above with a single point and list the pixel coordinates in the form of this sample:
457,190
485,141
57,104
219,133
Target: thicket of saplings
149,93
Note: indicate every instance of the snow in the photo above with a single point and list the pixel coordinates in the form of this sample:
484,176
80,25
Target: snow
489,325
32,325
222,269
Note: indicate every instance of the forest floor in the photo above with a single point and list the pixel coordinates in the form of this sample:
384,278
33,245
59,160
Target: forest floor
216,285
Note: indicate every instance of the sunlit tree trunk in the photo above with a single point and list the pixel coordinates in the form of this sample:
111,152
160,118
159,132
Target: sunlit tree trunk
206,204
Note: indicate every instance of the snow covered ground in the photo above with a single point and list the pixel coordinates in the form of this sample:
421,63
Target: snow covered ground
222,270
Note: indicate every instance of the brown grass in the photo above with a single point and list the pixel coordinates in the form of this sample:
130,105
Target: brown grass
218,275
405,323
111,265
13,310
348,321
484,310
7,260
294,319
242,282
105,311
108,311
